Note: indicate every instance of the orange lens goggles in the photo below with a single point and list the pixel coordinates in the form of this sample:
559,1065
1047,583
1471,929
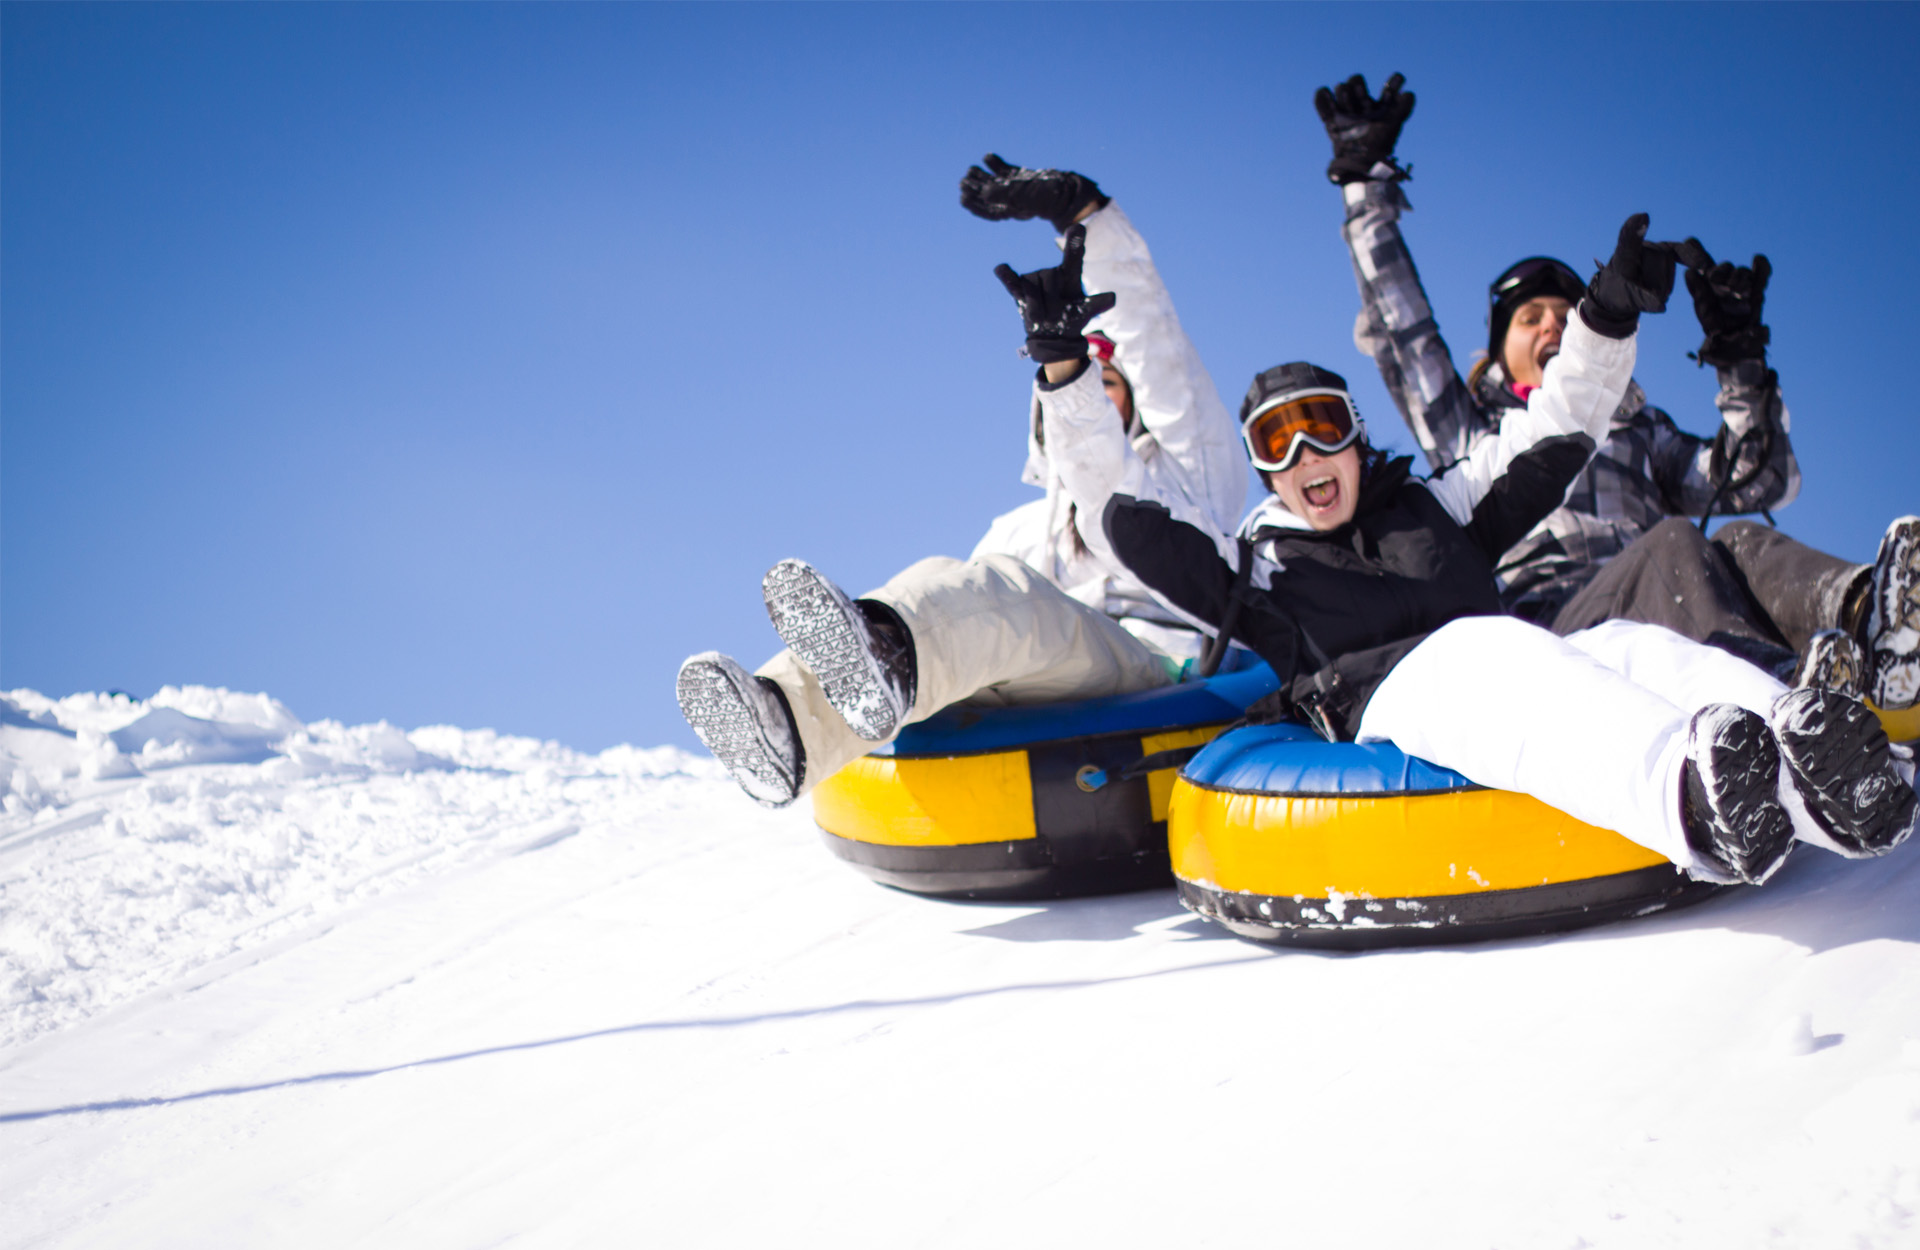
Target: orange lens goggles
1323,420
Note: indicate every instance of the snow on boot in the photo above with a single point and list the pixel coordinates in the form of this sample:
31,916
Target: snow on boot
1834,661
744,720
1729,796
1893,624
863,661
1841,763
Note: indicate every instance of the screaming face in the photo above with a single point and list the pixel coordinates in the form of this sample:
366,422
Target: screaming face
1322,490
1533,338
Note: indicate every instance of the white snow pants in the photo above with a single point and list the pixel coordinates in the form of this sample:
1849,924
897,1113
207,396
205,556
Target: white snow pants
1594,724
988,631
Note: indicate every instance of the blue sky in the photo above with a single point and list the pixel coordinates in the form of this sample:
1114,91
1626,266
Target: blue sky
470,363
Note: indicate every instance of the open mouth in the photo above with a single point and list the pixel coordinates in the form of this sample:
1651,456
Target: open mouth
1547,352
1321,492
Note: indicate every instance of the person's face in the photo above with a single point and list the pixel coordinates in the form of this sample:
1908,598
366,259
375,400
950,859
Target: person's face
1117,391
1323,490
1533,338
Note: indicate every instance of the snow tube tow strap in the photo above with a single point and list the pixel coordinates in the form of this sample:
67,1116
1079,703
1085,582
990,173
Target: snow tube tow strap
1285,838
1029,802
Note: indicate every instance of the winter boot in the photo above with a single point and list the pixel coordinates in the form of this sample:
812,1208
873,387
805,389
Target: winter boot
1729,796
1842,765
1893,620
858,650
745,721
1834,661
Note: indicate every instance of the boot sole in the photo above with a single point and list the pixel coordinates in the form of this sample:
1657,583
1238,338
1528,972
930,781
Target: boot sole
1834,661
1894,631
1841,763
1738,776
712,697
827,634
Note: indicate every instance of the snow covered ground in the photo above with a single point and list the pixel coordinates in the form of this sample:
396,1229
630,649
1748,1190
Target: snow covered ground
265,983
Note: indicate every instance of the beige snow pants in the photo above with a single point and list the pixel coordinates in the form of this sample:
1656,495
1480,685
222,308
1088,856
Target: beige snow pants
990,631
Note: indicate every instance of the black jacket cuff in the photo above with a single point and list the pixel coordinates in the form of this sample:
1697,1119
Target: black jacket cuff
1603,324
1040,377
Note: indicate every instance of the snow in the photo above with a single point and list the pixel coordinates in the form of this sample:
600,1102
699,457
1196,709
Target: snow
271,983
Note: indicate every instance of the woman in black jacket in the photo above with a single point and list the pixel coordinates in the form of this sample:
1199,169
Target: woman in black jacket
1372,593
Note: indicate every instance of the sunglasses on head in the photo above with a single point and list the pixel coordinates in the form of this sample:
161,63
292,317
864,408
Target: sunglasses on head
1325,420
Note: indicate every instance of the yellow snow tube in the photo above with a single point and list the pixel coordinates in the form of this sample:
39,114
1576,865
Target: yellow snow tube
1284,838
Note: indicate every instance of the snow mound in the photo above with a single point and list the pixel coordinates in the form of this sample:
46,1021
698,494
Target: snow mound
142,839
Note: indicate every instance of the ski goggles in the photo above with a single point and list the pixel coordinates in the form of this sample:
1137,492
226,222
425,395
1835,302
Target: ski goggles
1552,276
1325,420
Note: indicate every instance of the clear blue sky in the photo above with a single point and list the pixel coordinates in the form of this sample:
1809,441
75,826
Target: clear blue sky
470,363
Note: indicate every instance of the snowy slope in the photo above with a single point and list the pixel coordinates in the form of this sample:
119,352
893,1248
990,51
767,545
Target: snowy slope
275,984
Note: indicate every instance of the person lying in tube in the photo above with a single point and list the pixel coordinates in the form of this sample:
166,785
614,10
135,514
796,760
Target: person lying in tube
1371,592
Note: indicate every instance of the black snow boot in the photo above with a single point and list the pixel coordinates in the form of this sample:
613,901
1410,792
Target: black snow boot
859,650
1730,797
745,721
1843,766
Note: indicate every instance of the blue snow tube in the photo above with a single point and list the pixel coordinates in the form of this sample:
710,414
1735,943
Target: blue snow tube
1030,802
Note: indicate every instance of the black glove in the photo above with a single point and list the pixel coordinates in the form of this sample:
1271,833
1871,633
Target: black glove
1638,279
1727,298
1054,306
1362,128
1022,194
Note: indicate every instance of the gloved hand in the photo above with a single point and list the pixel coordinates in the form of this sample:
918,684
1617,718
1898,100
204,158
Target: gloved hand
1053,306
1009,191
1727,298
1638,279
1362,128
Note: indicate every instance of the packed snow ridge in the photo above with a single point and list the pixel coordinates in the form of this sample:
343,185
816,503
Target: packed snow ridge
142,839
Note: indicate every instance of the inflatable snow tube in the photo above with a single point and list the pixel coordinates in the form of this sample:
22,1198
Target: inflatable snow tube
1029,802
1285,838
1902,725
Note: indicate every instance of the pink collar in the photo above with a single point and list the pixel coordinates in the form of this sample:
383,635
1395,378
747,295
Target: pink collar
1522,391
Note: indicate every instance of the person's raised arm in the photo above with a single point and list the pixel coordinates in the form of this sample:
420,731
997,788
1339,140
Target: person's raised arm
1396,325
1748,464
1171,393
1511,480
1086,442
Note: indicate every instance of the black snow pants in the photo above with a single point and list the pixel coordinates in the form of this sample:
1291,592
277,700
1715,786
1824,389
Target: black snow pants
1749,589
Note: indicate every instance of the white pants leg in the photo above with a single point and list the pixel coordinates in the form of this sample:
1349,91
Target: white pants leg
1688,674
990,631
1511,706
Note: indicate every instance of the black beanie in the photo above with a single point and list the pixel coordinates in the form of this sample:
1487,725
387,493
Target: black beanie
1519,282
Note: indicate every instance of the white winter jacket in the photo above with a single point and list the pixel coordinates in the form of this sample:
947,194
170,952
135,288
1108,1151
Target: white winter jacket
1184,450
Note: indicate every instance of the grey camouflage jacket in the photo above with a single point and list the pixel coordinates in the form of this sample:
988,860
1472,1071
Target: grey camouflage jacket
1646,470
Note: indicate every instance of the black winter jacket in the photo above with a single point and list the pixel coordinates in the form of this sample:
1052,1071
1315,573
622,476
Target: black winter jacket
1334,611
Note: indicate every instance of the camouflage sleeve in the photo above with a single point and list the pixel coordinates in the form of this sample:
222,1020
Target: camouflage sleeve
1396,328
1746,466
